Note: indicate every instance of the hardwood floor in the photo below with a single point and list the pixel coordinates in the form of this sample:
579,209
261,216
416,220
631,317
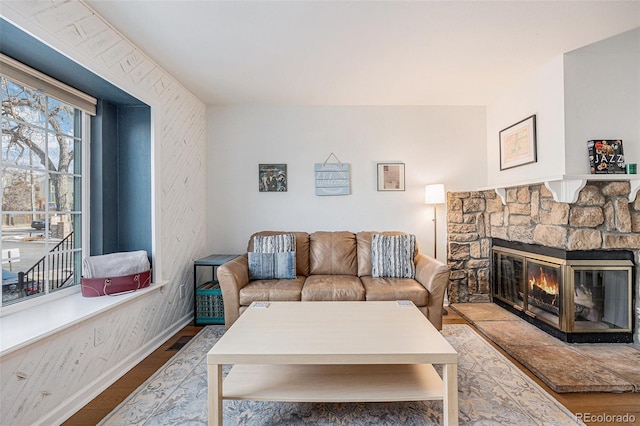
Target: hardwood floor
104,403
587,405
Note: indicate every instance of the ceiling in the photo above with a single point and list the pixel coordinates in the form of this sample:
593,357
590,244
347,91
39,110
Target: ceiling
360,52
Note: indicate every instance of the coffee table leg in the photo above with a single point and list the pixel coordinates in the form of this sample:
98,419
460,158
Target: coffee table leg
214,382
450,402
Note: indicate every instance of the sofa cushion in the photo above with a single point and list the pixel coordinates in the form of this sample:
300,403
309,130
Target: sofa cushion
264,266
274,243
271,290
393,256
385,289
363,241
333,253
333,288
302,249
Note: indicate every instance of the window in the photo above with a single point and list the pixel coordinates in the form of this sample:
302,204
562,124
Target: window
43,139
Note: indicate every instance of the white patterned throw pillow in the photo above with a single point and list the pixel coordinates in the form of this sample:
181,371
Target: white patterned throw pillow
274,243
392,256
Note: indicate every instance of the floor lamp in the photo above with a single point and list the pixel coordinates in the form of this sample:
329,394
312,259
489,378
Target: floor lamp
434,194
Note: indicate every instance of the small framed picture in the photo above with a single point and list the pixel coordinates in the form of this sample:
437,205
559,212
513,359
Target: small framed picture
272,177
390,176
518,144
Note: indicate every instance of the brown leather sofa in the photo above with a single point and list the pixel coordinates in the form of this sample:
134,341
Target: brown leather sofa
334,266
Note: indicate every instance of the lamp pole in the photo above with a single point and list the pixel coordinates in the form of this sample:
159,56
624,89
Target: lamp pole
435,233
434,194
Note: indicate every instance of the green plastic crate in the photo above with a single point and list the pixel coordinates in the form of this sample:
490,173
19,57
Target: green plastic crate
209,305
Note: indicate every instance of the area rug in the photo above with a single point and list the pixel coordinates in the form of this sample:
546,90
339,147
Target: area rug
491,391
564,367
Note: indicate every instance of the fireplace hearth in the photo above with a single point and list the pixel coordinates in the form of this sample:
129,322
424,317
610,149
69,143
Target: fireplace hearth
576,296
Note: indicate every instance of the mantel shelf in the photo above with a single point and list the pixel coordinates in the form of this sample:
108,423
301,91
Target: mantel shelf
566,188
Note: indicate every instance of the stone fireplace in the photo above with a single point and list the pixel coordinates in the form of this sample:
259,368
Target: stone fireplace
602,219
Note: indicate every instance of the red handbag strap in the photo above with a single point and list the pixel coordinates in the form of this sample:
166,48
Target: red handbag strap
107,283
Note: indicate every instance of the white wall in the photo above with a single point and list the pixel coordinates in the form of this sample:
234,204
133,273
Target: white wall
541,93
589,93
437,144
49,380
602,97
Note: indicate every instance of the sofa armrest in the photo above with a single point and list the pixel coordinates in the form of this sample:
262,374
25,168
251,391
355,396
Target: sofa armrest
232,276
434,276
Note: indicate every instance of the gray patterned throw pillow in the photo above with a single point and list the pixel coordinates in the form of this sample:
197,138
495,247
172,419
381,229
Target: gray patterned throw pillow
392,256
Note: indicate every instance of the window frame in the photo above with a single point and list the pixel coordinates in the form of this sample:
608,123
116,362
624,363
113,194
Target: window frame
23,75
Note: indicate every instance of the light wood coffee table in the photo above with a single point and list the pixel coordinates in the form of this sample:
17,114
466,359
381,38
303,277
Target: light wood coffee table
333,352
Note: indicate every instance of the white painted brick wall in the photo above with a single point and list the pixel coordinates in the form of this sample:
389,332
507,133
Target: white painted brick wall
43,382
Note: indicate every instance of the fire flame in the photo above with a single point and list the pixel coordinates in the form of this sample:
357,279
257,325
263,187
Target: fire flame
549,286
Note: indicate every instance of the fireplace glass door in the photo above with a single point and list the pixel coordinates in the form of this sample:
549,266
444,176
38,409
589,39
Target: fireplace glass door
509,282
543,290
602,298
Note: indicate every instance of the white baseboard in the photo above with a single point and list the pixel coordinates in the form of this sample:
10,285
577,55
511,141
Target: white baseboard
81,398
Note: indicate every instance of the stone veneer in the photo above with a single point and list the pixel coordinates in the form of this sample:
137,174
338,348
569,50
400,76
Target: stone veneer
601,218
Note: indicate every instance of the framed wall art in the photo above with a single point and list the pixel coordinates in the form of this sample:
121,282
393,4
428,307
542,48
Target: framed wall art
390,176
272,177
518,144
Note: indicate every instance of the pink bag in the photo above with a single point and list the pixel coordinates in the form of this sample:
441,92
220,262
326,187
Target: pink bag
94,287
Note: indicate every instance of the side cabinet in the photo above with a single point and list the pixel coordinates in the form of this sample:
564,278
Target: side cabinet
208,307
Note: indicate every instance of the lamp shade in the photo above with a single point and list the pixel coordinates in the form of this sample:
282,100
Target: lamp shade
434,194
